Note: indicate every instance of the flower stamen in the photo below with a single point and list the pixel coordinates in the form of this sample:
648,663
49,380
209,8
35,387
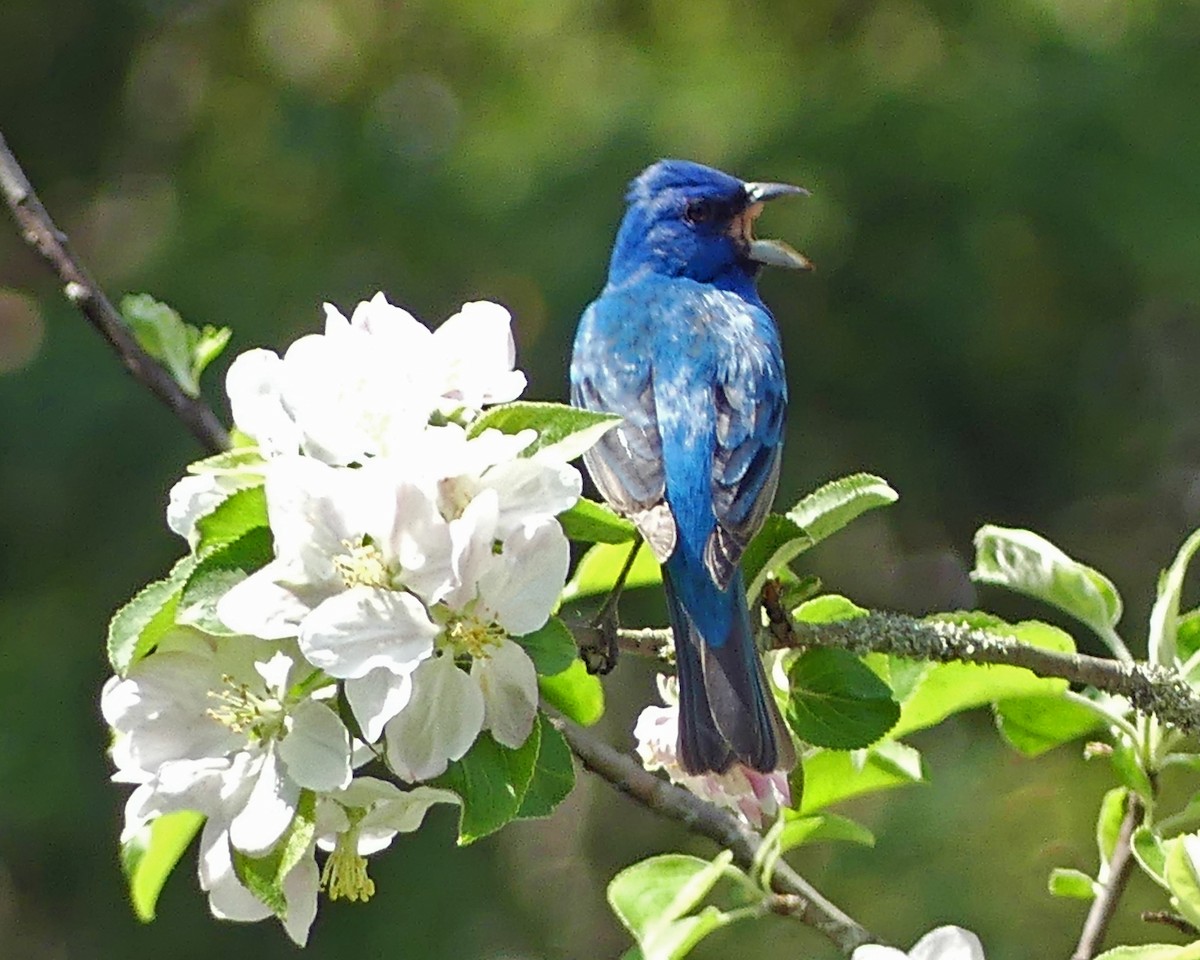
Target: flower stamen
344,875
243,711
364,565
471,637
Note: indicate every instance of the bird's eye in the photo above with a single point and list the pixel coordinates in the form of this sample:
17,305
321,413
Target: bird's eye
699,211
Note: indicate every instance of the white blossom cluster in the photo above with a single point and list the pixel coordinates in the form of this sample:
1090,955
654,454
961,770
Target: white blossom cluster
754,797
409,551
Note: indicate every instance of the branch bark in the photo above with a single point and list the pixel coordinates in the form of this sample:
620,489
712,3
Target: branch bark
41,233
1119,866
798,897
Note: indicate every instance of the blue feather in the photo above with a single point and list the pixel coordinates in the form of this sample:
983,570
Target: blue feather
680,345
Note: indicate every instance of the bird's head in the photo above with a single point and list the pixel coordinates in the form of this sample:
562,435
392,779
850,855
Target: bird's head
688,220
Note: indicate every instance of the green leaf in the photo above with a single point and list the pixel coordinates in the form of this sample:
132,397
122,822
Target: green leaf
1128,765
827,609
553,774
837,701
1187,636
234,516
1075,884
1164,617
183,349
831,776
652,899
264,876
564,432
552,648
598,569
216,574
137,627
1182,879
1108,821
800,829
1033,725
774,546
1151,854
592,522
149,856
1029,564
576,693
949,688
492,781
829,508
1154,951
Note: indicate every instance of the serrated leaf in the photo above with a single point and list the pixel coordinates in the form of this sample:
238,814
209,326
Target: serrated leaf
774,546
1154,951
148,858
827,609
949,688
206,345
218,572
830,507
837,701
1182,879
553,774
650,896
1075,884
1030,564
492,780
598,569
1164,617
564,432
592,522
137,627
552,648
240,512
574,692
800,829
1033,725
264,876
831,776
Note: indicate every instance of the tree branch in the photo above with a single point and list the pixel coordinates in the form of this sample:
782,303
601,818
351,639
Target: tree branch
1119,866
41,233
798,898
1151,690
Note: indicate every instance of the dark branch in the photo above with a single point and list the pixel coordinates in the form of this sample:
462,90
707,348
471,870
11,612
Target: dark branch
797,897
1119,866
41,233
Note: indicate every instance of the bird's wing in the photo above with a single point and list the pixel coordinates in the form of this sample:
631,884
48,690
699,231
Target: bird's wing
611,372
749,397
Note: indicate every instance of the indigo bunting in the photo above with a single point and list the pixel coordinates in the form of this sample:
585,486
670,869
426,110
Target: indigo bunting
680,345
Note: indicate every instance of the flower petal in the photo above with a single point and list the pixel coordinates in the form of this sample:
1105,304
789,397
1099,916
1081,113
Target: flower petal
947,943
520,591
316,750
268,811
300,889
532,489
227,898
254,384
354,632
440,723
376,698
508,681
260,606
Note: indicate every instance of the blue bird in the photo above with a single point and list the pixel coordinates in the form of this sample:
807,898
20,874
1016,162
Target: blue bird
680,345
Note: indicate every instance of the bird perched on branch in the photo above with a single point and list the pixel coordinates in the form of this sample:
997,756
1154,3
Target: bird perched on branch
680,345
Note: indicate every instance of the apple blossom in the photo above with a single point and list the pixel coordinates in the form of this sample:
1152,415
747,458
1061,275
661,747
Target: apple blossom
944,943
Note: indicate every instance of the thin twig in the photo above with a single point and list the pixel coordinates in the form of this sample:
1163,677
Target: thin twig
1119,866
798,898
41,233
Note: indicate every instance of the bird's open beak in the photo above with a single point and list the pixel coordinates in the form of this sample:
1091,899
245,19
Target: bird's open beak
772,253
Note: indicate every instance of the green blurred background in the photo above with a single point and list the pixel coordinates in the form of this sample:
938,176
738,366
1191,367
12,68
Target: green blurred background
1003,323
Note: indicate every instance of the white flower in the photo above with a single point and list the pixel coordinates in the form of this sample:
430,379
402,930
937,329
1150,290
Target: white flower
944,943
368,385
221,731
501,595
356,550
753,796
361,820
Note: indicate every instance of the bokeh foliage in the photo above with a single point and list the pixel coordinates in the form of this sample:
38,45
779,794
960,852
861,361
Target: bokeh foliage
1003,323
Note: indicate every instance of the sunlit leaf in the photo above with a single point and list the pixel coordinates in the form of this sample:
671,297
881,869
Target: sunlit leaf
149,857
575,692
552,648
563,432
774,546
591,522
598,569
492,781
264,876
831,776
829,508
137,627
1033,725
800,829
837,701
215,574
1164,617
1075,884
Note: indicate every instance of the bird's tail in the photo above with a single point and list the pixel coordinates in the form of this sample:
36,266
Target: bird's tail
726,710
